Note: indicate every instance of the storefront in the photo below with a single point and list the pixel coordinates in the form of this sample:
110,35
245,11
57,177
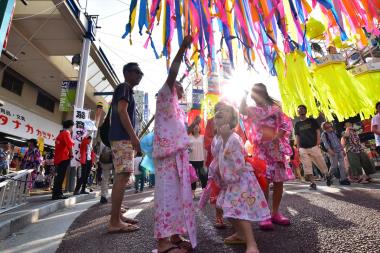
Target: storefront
18,125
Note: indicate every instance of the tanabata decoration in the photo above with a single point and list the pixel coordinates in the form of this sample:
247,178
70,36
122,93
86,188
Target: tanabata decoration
260,28
339,93
369,76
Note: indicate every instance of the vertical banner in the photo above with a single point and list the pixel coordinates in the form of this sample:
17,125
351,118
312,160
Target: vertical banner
79,133
68,93
197,98
213,83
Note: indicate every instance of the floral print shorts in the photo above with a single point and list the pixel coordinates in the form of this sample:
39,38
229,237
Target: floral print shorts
122,156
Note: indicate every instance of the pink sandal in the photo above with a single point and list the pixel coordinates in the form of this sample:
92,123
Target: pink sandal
266,225
280,219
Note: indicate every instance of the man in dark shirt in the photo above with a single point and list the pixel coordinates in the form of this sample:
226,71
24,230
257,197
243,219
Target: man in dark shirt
308,139
124,142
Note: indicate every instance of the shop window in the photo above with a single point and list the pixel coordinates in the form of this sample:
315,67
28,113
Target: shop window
45,101
12,83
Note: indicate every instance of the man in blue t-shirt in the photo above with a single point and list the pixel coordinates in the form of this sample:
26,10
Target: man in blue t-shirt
124,143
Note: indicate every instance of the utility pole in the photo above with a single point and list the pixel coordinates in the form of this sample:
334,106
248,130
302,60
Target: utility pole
91,27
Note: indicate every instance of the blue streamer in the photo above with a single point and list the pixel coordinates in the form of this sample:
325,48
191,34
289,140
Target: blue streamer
143,20
128,27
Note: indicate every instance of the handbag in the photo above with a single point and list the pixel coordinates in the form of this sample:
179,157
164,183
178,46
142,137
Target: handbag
193,175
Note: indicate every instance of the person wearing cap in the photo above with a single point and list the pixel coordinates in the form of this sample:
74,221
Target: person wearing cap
63,154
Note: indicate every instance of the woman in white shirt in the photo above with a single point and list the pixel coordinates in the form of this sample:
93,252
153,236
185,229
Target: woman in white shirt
197,156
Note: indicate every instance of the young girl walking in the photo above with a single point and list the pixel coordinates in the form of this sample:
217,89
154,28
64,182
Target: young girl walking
240,197
270,134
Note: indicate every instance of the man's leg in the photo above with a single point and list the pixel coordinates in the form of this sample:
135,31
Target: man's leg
60,177
106,169
334,163
85,176
80,174
117,197
137,179
307,164
366,164
142,181
342,167
319,160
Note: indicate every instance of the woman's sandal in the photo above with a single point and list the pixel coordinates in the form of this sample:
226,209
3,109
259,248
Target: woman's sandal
183,243
126,229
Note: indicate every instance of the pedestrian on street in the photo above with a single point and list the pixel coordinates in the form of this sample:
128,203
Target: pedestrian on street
87,159
335,151
139,173
32,161
197,156
271,129
6,156
174,208
124,143
63,154
241,197
358,159
308,140
376,127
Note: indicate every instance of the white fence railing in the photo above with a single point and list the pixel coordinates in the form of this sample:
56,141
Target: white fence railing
14,190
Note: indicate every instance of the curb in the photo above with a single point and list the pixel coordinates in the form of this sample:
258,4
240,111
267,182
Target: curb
17,223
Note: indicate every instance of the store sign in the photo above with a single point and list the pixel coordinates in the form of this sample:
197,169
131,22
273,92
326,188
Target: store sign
81,116
6,13
22,123
146,107
68,93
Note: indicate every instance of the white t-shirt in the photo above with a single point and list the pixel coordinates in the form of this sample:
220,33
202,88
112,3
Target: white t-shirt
136,165
196,153
376,122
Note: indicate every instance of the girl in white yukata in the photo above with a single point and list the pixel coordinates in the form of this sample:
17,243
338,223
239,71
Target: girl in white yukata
241,197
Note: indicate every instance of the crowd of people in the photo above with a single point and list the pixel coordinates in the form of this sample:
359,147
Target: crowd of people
220,159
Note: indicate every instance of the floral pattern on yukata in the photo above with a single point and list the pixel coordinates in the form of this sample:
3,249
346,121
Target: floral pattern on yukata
276,153
173,201
241,196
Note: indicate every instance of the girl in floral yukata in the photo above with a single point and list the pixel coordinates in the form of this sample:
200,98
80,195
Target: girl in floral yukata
240,197
270,136
173,201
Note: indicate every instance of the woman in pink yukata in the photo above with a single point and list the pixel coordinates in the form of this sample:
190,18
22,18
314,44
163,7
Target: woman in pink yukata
173,200
271,129
241,197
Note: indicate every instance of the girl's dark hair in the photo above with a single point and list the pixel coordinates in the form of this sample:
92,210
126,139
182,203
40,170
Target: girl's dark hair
377,105
270,100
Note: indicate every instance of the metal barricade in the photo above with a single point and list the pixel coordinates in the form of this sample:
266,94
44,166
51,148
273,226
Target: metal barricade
14,190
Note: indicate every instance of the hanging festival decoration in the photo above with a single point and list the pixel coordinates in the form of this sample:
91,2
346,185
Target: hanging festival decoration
331,76
275,33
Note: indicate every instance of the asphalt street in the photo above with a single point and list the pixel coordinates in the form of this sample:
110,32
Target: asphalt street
332,219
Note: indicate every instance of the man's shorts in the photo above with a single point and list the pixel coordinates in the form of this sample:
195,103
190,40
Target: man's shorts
122,156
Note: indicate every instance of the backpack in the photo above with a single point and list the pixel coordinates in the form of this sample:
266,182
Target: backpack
106,155
104,129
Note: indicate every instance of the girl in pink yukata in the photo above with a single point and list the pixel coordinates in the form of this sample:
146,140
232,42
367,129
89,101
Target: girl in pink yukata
240,197
173,202
270,136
